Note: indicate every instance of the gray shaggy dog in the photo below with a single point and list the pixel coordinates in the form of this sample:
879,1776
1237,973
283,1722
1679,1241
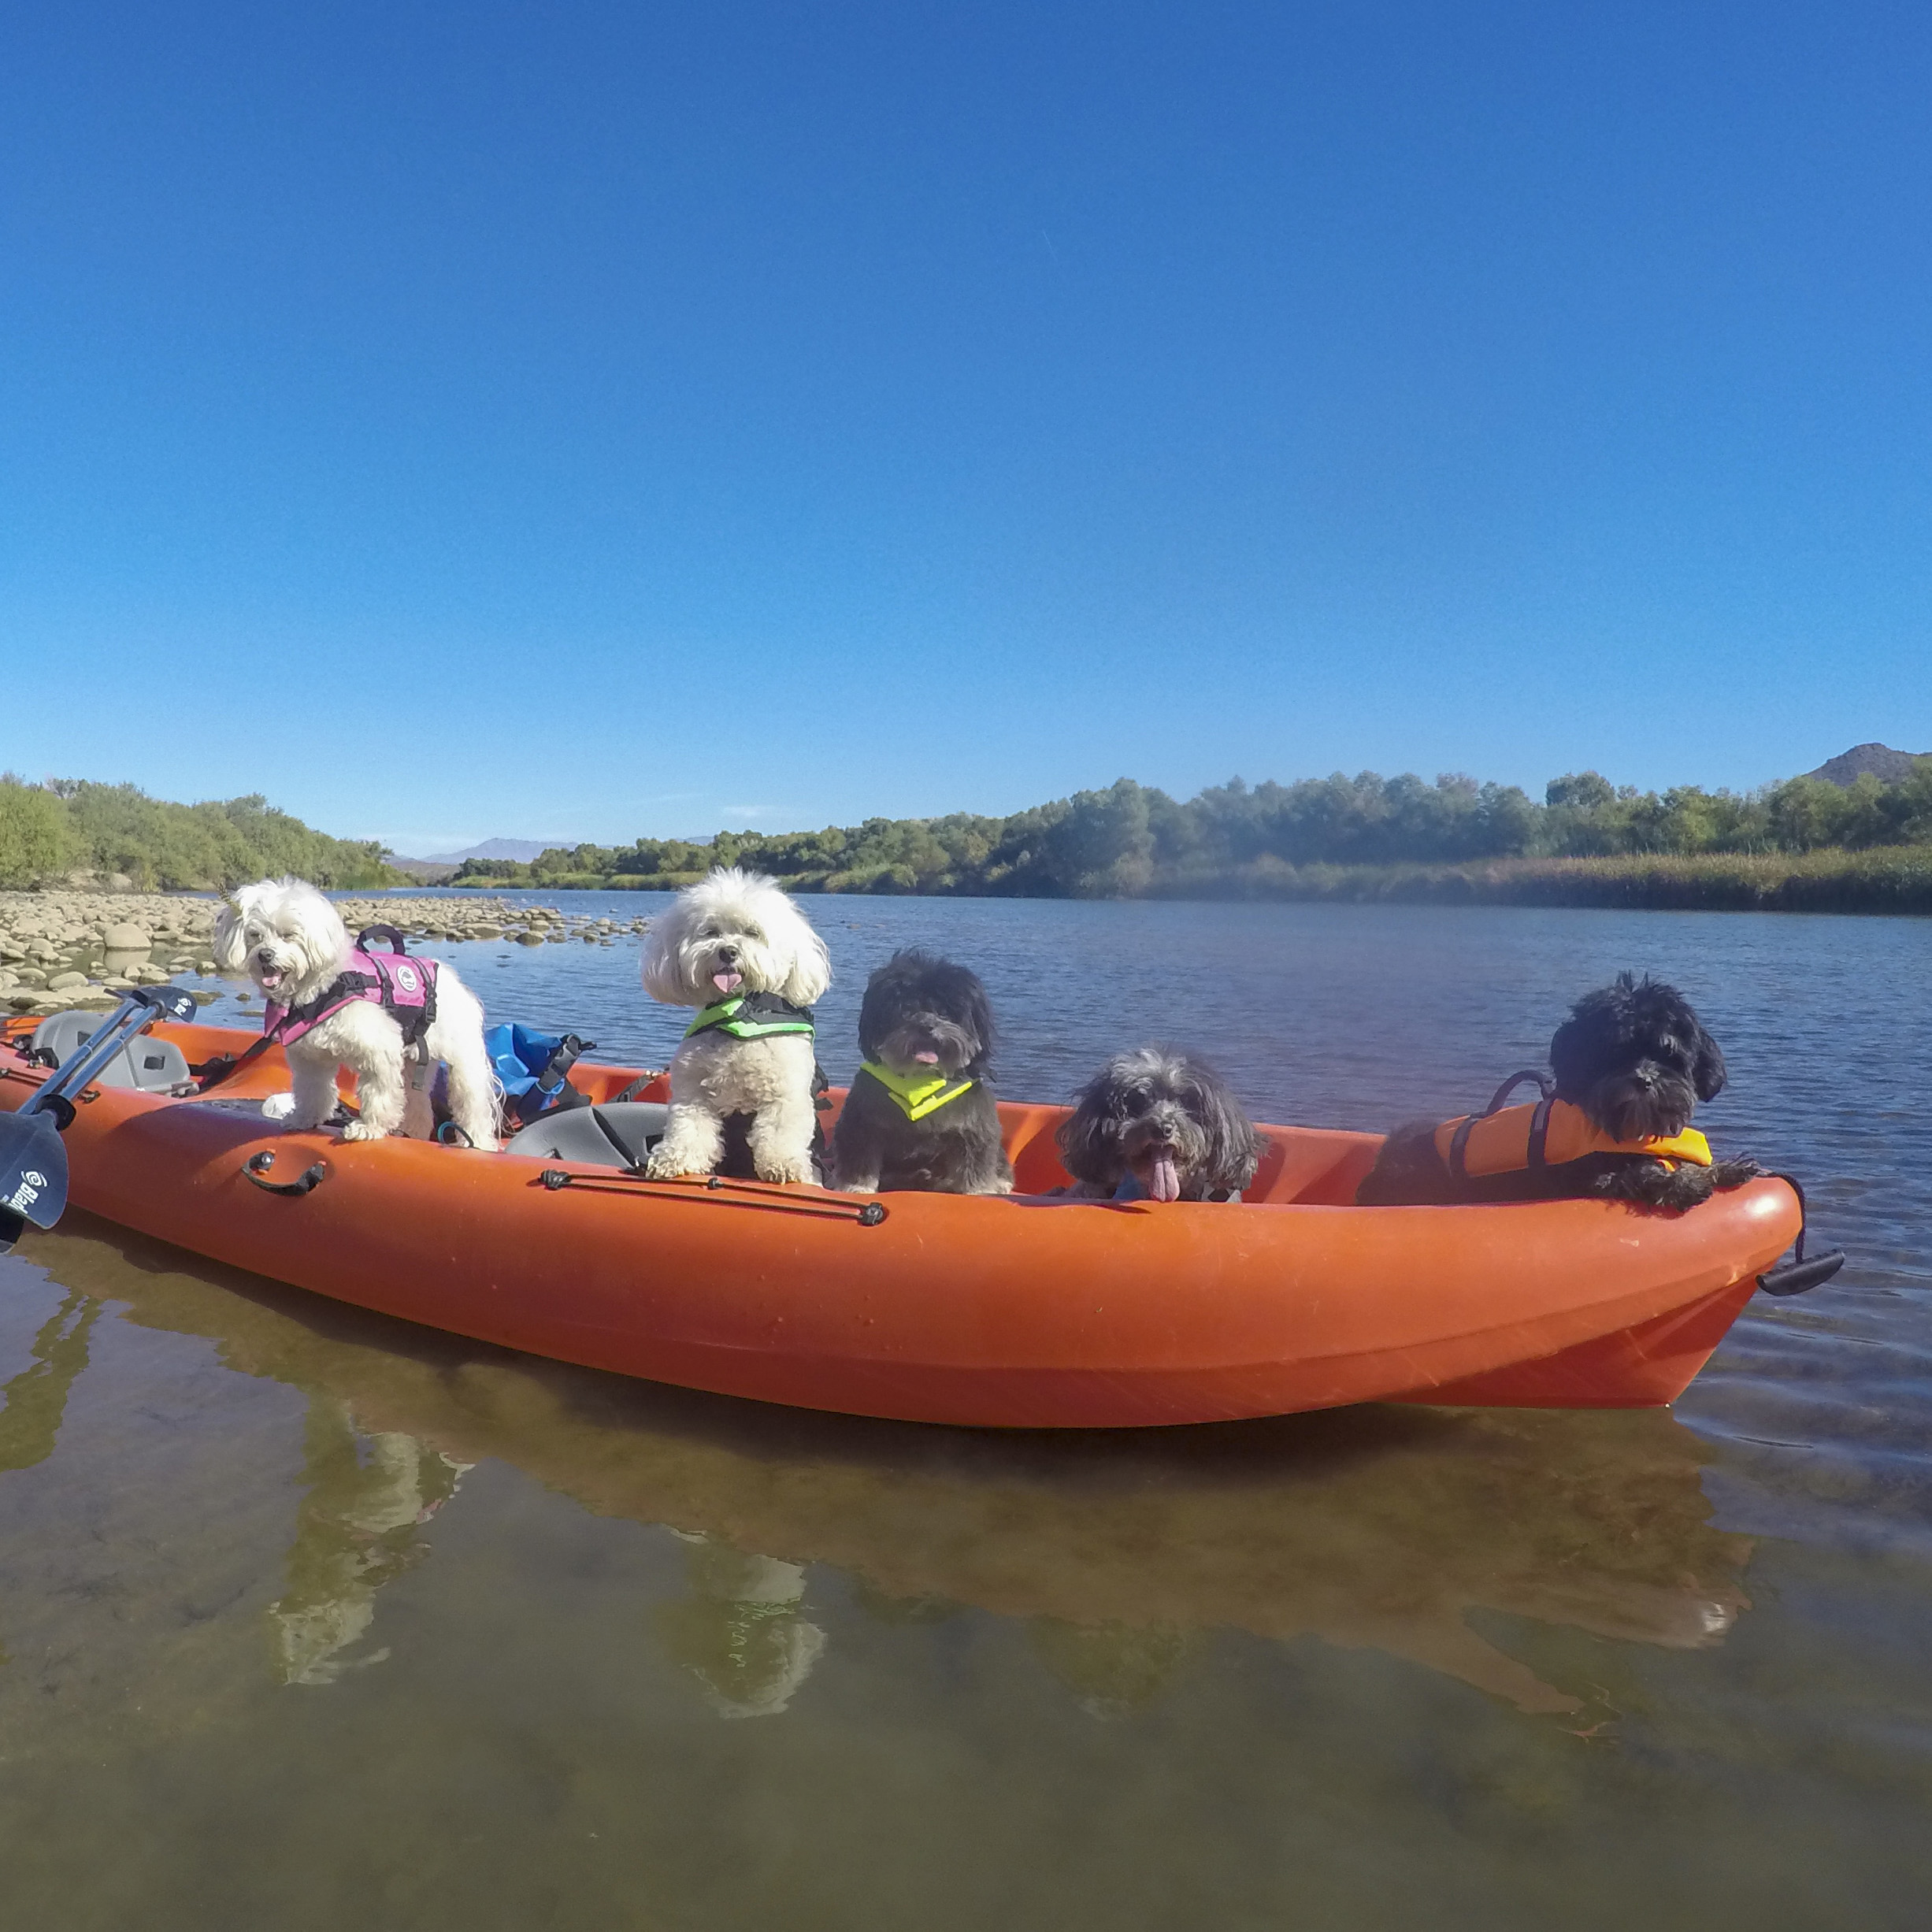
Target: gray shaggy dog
1158,1124
920,1115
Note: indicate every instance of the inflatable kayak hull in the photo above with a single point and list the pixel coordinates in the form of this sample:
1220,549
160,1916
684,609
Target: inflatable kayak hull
1025,1312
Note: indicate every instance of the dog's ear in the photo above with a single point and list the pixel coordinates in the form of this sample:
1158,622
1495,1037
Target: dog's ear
228,948
1234,1148
1707,1071
876,1009
661,969
1582,1047
976,1011
1087,1139
1572,1059
811,969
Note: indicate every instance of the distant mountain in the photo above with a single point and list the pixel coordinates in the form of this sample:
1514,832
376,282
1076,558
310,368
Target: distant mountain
522,849
1881,760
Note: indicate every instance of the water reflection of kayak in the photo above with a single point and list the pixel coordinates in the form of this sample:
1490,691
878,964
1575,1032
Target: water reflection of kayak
1021,1312
1379,1527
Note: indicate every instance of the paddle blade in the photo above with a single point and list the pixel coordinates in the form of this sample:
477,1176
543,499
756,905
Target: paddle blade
169,1003
33,1172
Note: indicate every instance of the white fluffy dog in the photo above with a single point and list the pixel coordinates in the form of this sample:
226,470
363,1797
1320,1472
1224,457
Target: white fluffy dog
735,946
284,934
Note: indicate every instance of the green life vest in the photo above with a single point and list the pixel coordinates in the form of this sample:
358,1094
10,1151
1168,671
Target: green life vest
918,1095
753,1016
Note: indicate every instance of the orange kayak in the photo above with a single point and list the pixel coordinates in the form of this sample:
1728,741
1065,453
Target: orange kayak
1024,1312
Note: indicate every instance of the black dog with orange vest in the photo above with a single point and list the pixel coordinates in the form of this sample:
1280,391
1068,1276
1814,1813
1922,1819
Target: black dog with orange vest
1631,1063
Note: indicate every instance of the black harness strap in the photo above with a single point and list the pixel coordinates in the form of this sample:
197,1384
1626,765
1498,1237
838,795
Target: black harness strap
1540,1133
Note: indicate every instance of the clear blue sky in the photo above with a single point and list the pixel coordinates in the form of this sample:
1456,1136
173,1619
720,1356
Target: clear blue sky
587,421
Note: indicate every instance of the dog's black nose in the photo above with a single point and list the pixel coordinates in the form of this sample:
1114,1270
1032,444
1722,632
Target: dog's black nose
728,955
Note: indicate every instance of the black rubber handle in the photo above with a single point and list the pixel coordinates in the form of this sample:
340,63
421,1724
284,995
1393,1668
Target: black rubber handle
1795,1277
257,1165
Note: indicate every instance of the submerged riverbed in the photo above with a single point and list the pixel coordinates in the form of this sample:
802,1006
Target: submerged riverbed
309,1618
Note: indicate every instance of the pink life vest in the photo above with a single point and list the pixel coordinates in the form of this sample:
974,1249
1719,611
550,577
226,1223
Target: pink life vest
405,988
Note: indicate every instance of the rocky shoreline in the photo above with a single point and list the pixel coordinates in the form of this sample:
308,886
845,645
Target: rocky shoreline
67,948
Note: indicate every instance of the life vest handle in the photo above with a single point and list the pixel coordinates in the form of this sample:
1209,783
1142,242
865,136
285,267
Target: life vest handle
1545,1085
392,934
1539,1132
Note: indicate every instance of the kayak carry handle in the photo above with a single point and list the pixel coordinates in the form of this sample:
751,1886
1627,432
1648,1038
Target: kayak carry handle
1797,1275
257,1165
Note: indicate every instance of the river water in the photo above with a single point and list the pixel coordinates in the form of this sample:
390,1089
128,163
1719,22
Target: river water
310,1618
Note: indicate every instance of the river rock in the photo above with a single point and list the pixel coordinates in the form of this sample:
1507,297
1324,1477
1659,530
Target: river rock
62,979
124,937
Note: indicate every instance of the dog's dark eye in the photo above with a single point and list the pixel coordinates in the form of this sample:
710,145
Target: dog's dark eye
707,932
1138,1101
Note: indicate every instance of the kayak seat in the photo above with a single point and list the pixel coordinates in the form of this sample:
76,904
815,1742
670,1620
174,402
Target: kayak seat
153,1066
616,1135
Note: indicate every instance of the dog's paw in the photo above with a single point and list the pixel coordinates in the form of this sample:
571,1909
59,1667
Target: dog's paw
784,1170
361,1130
658,1168
278,1107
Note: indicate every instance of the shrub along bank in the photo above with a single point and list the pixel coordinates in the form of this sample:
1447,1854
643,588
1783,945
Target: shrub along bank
118,833
1804,844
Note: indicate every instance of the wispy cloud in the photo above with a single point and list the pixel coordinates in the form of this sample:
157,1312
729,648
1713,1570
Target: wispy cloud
759,811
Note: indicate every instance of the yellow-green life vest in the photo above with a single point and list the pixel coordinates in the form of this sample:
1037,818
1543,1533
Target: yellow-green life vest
918,1095
752,1016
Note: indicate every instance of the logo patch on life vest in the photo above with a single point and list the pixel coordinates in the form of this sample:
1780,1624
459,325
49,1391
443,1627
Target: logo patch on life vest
406,979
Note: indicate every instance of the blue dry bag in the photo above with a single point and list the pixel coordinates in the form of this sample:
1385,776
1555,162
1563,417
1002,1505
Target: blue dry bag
535,1070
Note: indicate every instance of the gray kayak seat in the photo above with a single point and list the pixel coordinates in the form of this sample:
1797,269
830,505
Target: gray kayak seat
153,1066
618,1136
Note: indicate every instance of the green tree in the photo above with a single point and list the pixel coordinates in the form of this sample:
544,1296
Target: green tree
36,837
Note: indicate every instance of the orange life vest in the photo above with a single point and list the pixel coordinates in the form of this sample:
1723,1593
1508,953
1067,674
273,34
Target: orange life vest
1547,1134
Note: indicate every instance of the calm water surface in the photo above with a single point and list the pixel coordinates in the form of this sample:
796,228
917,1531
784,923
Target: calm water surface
311,1619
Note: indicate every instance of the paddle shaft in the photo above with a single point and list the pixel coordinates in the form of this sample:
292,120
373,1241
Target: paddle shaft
139,1008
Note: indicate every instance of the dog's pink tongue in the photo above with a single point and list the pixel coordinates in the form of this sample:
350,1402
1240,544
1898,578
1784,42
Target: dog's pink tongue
1163,1178
270,980
927,1059
727,982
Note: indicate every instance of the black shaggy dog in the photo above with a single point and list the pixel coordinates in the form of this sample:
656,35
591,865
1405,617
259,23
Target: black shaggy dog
1631,1063
920,1116
1154,1122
